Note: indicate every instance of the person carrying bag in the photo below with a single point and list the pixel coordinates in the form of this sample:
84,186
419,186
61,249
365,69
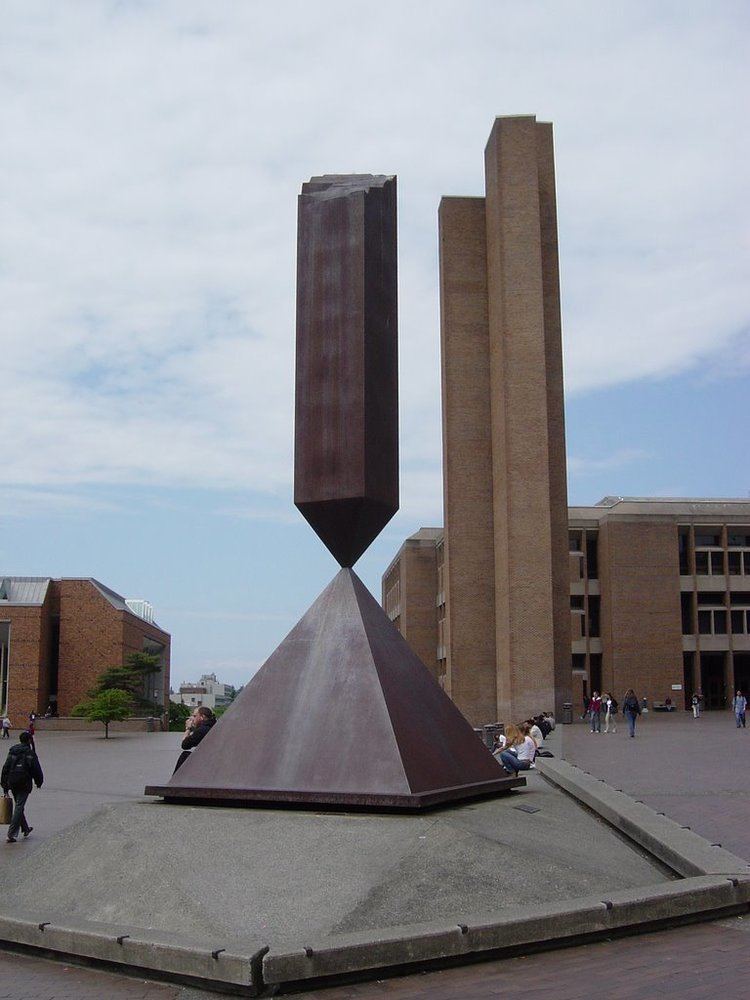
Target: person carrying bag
21,771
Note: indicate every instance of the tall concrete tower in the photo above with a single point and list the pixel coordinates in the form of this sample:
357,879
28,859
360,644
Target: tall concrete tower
506,571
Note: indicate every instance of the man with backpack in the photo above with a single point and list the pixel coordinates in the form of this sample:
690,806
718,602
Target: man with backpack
20,772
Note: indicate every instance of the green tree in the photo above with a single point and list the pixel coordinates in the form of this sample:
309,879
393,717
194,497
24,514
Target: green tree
111,705
178,716
131,677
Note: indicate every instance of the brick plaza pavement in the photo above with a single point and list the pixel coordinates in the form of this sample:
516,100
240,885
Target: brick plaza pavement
695,771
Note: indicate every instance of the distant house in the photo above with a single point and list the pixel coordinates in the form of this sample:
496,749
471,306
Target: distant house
207,691
58,635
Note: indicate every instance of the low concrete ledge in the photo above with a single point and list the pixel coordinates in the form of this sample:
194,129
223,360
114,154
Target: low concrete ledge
258,971
217,962
74,724
507,930
682,850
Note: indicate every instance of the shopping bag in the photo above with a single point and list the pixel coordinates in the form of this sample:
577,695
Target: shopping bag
6,810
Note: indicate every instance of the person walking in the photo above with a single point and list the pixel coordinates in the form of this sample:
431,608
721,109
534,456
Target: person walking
739,705
631,709
6,727
595,711
610,706
21,771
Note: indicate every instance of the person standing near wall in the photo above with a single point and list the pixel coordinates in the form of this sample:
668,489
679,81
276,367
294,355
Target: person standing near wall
595,711
739,705
631,709
610,719
6,727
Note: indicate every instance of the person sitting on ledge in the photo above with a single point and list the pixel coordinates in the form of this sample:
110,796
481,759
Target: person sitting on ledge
535,732
521,749
544,725
197,727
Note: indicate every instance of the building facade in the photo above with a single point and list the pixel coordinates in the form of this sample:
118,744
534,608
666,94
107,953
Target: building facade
58,635
659,594
208,691
504,572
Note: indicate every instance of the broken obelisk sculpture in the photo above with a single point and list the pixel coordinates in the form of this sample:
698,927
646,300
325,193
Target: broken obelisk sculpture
343,712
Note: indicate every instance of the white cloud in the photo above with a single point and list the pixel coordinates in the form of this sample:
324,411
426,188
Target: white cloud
151,160
619,459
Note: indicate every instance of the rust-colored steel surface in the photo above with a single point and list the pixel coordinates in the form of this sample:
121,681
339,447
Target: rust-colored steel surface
346,419
345,713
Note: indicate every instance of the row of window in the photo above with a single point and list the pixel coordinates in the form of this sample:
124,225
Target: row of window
714,622
708,537
709,556
714,564
713,616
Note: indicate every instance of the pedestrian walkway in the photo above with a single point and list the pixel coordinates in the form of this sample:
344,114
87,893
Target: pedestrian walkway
694,770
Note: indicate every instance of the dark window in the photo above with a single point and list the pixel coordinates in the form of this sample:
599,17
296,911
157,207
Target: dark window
576,602
592,556
746,557
579,661
595,671
686,602
687,676
594,606
710,597
734,559
575,541
704,622
720,623
701,563
684,540
739,597
738,622
708,538
740,540
717,563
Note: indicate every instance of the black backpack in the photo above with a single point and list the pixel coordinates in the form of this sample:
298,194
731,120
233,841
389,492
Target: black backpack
20,771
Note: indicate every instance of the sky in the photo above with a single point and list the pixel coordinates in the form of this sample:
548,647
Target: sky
150,161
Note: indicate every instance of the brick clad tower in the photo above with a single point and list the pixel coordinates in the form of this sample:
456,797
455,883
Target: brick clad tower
504,440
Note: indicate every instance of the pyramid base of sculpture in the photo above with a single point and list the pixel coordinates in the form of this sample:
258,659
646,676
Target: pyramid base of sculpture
316,799
343,714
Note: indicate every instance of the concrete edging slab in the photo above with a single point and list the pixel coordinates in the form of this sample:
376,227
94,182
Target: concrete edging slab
512,928
135,947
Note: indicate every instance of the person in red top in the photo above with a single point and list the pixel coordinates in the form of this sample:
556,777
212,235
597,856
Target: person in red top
595,712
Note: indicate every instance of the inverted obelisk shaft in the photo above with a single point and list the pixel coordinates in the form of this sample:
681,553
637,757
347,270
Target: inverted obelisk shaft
346,419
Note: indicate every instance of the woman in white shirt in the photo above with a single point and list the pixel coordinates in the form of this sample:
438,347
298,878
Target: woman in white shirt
519,756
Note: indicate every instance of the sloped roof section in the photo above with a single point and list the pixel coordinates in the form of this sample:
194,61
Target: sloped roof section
29,590
110,595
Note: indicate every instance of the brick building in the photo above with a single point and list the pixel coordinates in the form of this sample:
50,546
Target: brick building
57,636
504,556
659,593
489,603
